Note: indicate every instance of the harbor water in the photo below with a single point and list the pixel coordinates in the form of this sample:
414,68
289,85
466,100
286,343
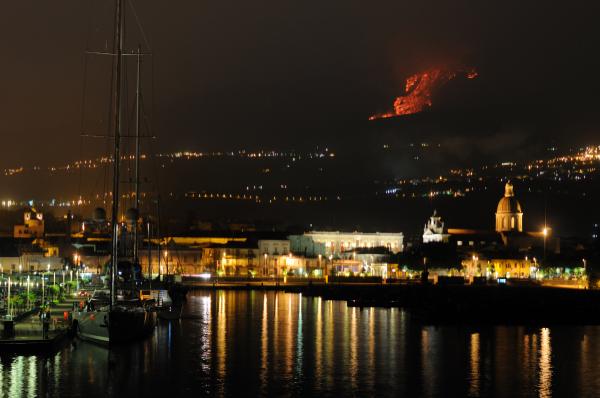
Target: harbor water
255,343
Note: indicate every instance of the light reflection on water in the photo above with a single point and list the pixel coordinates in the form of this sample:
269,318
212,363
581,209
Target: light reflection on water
272,344
474,366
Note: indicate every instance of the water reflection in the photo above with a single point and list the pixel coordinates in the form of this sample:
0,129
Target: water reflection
474,365
545,364
273,344
299,343
221,327
319,343
353,349
264,343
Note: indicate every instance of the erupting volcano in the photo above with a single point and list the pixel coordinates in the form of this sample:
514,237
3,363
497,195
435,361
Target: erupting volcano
419,89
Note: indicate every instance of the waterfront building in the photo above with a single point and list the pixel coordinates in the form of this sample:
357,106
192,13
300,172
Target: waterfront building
304,245
336,242
19,255
433,232
499,266
274,247
363,261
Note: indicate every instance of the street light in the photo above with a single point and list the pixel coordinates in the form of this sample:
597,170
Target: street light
167,260
266,268
28,291
545,233
8,299
474,262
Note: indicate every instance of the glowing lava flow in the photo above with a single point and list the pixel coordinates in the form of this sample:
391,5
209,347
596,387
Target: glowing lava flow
418,91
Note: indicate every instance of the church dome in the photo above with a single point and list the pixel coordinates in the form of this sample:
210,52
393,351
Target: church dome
509,204
509,215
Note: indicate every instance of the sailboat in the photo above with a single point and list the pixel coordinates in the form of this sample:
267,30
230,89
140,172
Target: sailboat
117,314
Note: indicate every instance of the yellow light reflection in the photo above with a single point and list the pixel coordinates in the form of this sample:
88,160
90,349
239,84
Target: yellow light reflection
545,364
319,342
264,342
474,365
353,350
221,335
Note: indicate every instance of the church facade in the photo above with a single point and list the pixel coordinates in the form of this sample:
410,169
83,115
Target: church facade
433,232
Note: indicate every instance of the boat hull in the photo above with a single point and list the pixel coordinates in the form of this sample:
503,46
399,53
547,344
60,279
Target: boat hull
114,327
92,326
127,326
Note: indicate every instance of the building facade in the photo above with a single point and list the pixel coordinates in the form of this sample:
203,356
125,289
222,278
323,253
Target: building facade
337,242
32,227
499,267
433,232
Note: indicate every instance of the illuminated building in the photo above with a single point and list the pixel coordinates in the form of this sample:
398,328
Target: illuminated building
509,216
338,242
304,245
499,266
29,256
434,230
508,251
33,226
274,247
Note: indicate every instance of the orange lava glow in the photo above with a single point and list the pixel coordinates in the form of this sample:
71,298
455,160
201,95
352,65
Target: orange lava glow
418,91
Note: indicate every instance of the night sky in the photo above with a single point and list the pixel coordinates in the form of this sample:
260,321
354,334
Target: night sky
265,74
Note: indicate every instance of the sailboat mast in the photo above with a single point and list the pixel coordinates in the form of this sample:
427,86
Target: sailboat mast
137,155
116,147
